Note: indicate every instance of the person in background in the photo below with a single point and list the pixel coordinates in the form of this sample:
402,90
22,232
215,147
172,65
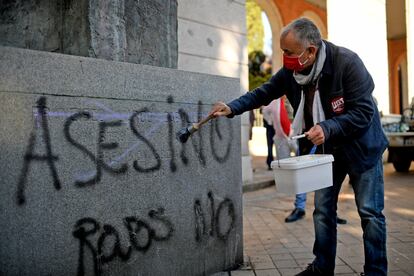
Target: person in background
299,210
282,122
277,115
270,133
330,90
252,118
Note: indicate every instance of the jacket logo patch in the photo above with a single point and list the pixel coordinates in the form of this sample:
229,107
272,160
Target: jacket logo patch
338,105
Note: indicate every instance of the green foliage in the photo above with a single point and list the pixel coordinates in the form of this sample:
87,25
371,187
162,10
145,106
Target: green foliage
256,76
256,58
255,35
256,81
255,30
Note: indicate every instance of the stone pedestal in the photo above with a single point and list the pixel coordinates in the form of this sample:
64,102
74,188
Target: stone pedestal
142,31
93,180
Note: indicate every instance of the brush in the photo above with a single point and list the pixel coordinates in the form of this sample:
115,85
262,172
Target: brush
186,132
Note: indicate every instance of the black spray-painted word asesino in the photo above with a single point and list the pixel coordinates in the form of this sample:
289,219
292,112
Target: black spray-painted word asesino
108,246
50,157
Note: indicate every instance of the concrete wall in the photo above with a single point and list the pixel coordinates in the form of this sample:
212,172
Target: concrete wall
93,180
212,39
143,32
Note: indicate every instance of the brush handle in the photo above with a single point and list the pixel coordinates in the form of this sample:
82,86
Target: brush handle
203,121
298,137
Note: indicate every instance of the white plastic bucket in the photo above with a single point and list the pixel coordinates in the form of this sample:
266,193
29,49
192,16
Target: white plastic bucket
302,174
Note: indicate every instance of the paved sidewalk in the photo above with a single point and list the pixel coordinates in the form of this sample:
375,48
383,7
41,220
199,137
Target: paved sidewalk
273,247
262,177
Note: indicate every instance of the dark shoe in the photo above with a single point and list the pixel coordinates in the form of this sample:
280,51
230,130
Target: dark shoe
311,270
295,215
341,220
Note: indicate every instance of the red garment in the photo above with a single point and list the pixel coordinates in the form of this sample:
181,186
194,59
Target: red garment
284,119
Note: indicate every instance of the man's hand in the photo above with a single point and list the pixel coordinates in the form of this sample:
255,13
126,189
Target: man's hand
316,135
220,109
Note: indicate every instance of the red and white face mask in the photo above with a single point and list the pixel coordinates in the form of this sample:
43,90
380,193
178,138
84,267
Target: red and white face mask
293,63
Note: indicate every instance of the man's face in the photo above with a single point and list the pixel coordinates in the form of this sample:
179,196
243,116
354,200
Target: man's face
291,47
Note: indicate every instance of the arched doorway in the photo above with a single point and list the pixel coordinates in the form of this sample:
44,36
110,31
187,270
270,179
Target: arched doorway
317,21
400,99
276,24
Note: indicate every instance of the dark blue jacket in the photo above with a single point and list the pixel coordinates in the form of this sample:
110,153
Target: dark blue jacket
353,132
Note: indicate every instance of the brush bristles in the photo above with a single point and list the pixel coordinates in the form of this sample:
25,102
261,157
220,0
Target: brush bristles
183,135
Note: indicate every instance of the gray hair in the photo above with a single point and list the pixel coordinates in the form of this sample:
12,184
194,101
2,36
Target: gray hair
305,31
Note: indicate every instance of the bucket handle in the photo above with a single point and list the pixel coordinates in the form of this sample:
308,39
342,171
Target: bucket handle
312,151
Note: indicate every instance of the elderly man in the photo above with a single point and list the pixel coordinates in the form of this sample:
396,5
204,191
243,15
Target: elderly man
331,92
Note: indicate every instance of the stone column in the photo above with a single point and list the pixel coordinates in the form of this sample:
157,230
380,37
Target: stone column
142,31
409,9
